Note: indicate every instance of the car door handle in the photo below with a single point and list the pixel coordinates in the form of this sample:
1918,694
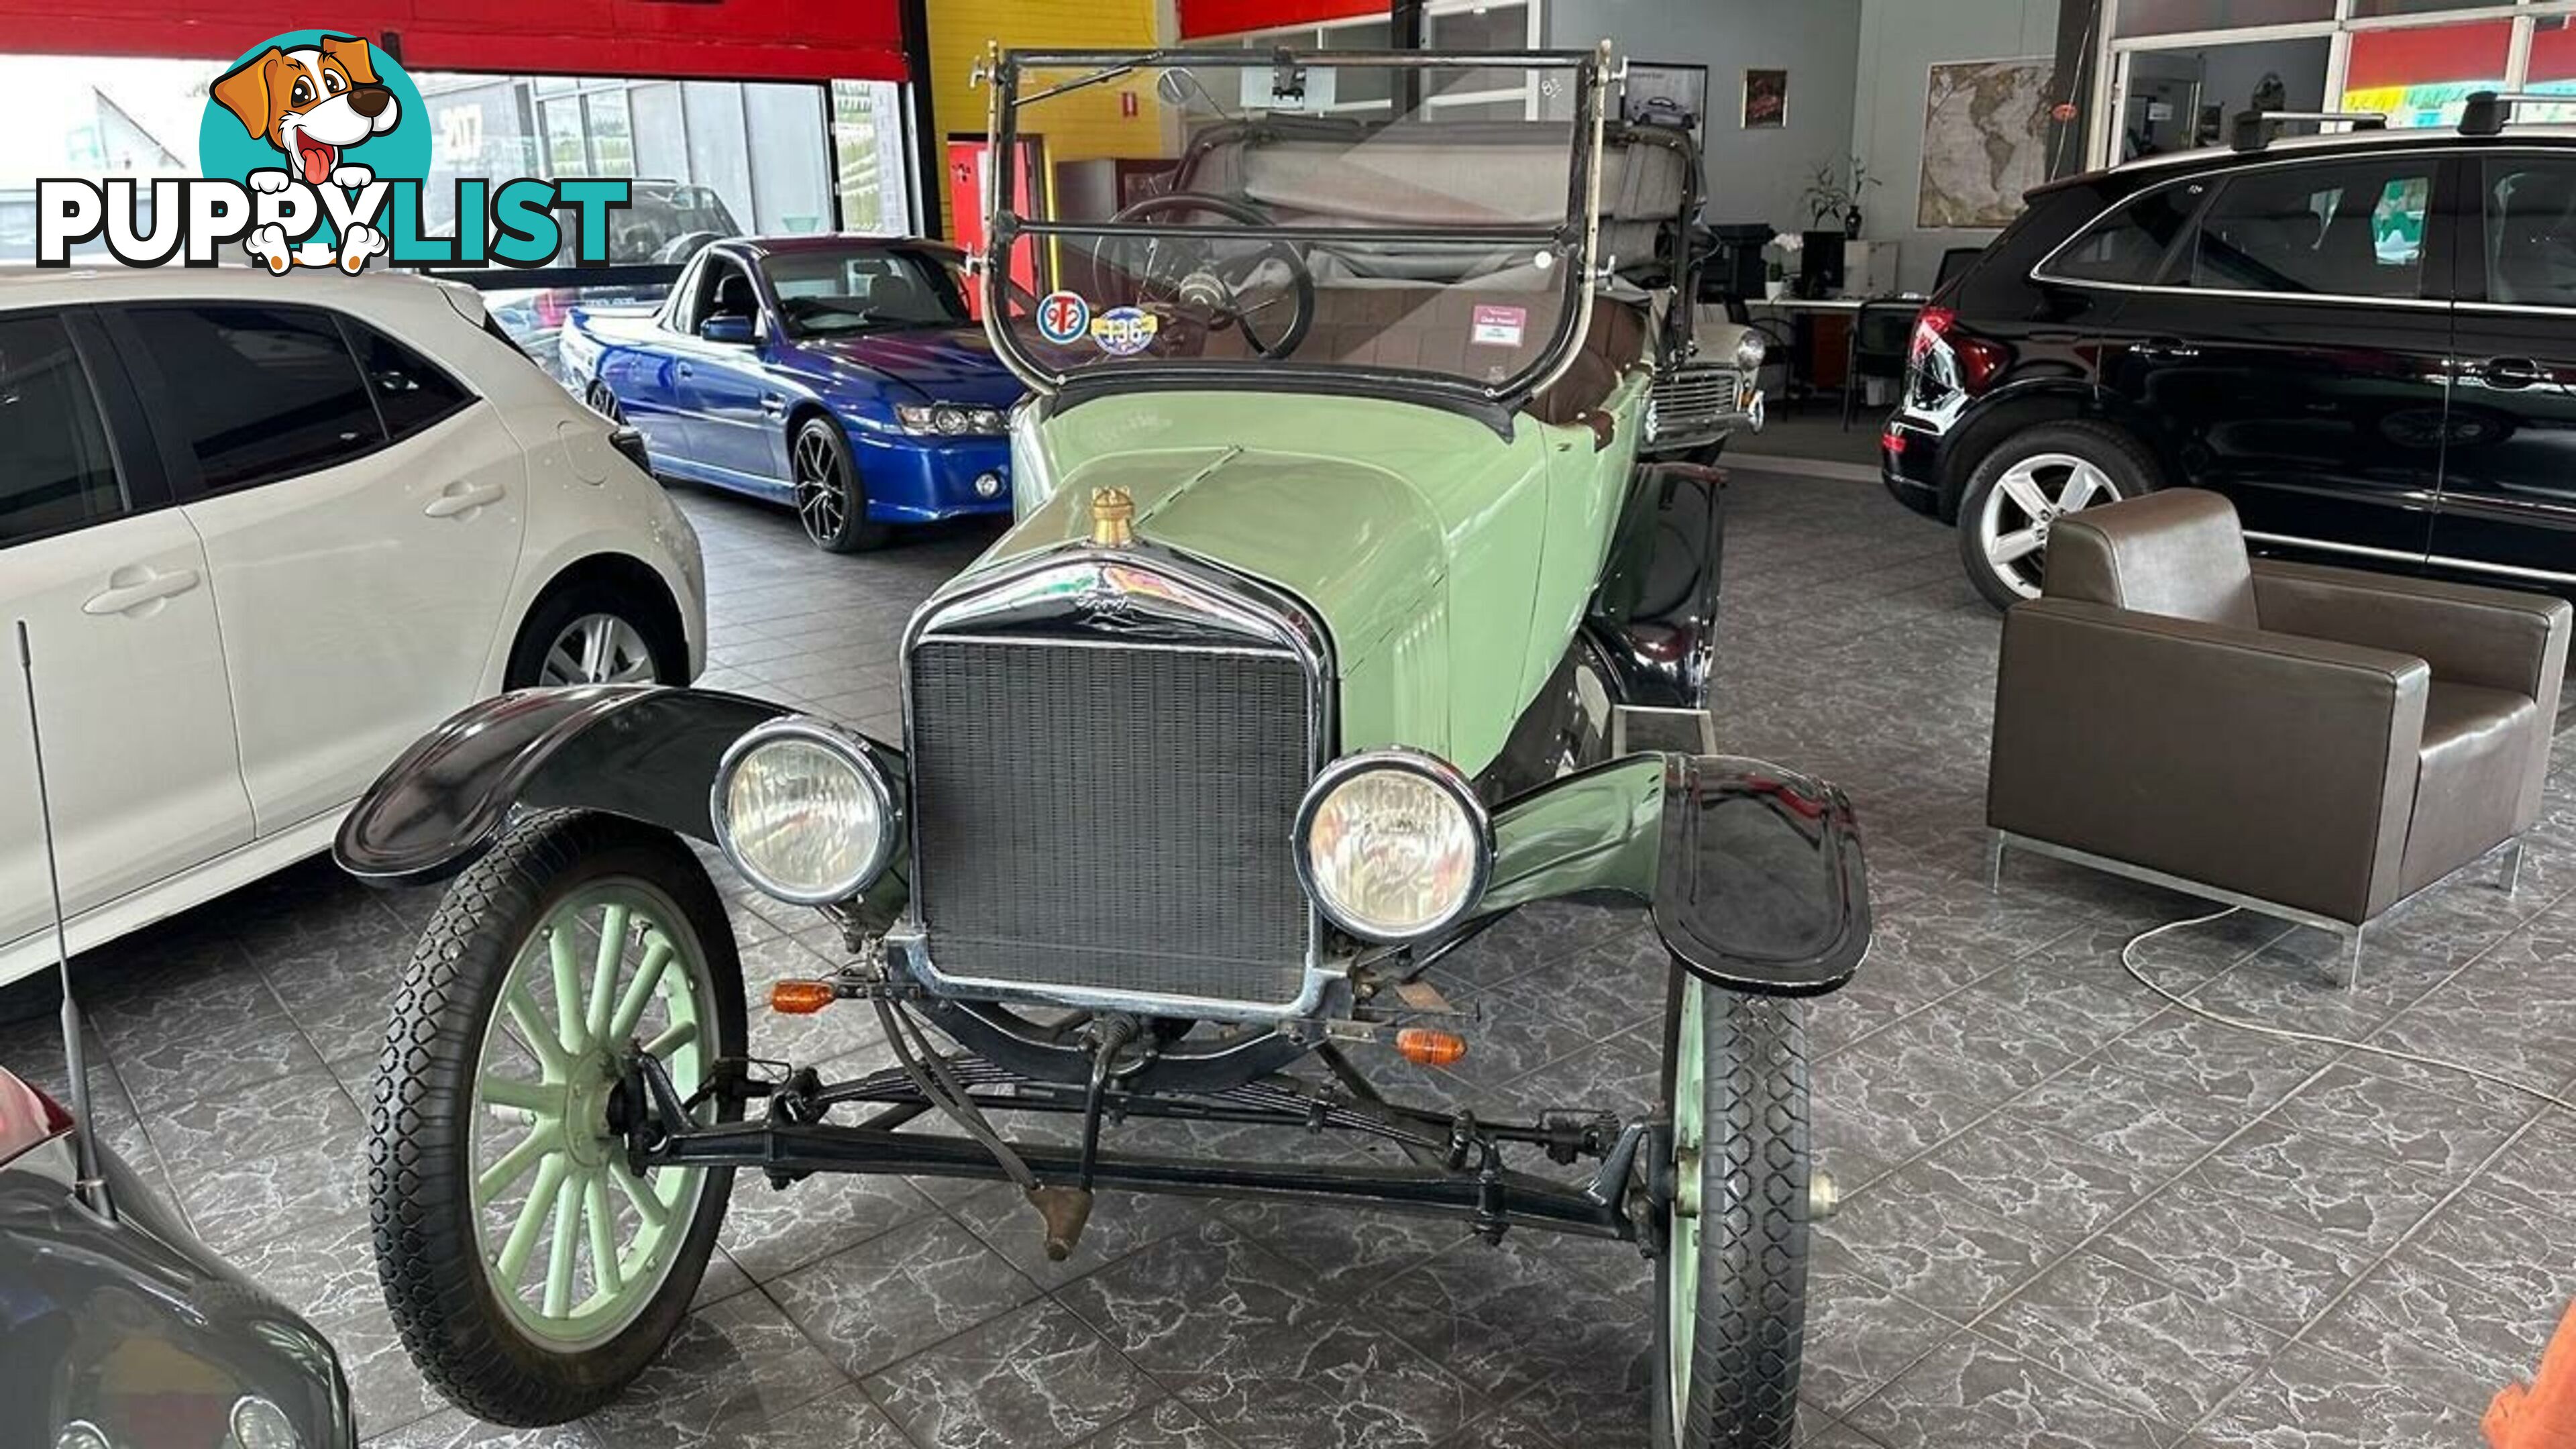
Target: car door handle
136,586
2163,349
464,498
2509,374
684,370
773,405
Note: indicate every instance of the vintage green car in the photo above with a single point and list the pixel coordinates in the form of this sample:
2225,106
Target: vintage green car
1334,624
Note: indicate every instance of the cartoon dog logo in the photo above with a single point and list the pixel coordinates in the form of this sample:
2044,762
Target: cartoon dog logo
313,103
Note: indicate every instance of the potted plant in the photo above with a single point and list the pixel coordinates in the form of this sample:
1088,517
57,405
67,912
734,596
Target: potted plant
1785,248
1834,192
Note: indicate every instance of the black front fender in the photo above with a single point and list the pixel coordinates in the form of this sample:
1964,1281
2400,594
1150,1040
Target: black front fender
640,751
1753,873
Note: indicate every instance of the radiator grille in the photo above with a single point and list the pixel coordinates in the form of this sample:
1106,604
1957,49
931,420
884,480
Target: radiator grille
1691,399
1110,818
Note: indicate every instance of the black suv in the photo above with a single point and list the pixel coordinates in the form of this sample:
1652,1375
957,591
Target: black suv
2366,340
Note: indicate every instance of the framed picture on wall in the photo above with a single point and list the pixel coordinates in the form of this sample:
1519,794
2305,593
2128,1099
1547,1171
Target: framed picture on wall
1766,99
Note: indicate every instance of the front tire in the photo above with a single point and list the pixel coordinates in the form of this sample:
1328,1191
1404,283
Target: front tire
531,1274
2031,480
829,499
1731,1281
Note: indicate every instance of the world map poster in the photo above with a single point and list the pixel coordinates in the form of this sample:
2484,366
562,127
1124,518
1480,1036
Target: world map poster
1985,141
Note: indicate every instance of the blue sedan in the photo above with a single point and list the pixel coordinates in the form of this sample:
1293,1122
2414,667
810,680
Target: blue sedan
841,374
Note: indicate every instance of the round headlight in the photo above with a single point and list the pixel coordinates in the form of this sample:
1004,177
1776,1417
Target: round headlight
803,811
988,420
1750,349
259,1424
1393,845
953,420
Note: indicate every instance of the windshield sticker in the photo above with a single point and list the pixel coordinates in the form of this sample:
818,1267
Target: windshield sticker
1499,326
1063,317
1125,331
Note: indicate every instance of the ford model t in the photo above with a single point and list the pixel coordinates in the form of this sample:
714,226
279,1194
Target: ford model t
1335,620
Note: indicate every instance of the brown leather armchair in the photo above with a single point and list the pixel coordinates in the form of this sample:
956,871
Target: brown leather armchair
2317,743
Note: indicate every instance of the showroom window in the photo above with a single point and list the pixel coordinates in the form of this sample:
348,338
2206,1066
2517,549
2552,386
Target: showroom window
707,157
2130,245
2531,232
257,393
2173,72
2423,75
411,392
55,469
2353,230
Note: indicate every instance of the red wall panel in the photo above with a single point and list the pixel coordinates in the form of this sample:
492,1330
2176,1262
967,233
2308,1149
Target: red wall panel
1226,17
721,39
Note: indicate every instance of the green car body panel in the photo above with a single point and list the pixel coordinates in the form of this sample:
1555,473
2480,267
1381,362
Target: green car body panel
1449,564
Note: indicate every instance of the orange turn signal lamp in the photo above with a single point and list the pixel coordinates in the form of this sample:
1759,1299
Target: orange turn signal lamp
1424,1047
801,998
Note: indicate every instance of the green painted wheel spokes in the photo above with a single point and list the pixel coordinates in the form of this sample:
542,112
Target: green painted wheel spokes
574,1243
1681,1255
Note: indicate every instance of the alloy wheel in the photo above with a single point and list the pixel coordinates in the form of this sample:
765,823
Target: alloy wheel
574,1244
604,403
822,494
2034,493
598,649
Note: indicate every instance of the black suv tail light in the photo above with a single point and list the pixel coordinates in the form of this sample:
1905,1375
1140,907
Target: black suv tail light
1974,362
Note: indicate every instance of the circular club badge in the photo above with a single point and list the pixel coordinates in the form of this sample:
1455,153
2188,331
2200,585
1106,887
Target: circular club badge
1063,317
1125,331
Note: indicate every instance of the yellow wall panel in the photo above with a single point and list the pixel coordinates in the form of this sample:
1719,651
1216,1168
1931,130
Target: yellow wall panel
1085,124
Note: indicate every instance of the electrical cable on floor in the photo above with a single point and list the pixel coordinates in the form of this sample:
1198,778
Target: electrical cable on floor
2128,962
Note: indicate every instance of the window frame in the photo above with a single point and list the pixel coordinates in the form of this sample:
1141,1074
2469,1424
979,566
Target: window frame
701,282
466,396
133,454
177,453
2439,270
2473,286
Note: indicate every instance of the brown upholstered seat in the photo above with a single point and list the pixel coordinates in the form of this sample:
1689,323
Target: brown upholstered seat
1432,329
2312,738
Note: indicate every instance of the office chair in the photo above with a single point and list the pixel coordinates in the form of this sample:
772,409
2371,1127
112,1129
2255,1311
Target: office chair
1882,333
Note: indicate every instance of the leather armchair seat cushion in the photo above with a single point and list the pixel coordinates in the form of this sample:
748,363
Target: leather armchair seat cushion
2469,777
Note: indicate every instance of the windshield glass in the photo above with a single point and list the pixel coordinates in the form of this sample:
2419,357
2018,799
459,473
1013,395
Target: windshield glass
823,293
1394,217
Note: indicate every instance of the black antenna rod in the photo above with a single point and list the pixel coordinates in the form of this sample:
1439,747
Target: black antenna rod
92,1186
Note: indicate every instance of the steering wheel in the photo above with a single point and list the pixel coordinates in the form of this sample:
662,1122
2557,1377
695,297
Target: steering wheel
1185,276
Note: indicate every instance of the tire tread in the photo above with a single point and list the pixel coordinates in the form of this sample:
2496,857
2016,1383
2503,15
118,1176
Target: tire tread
419,1212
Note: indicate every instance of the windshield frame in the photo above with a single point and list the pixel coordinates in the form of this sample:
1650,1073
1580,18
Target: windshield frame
944,260
1573,239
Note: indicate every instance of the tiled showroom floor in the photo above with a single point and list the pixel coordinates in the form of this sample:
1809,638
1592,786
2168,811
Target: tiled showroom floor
2073,1218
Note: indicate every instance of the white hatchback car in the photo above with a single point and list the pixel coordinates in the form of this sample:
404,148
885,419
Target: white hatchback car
263,533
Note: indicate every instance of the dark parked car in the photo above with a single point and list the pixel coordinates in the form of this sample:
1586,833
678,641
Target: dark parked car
118,1328
2367,341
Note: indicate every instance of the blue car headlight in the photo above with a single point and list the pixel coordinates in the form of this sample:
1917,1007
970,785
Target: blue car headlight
949,420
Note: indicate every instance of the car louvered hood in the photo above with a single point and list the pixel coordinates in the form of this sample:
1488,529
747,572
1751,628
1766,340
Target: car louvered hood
1356,544
1412,534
